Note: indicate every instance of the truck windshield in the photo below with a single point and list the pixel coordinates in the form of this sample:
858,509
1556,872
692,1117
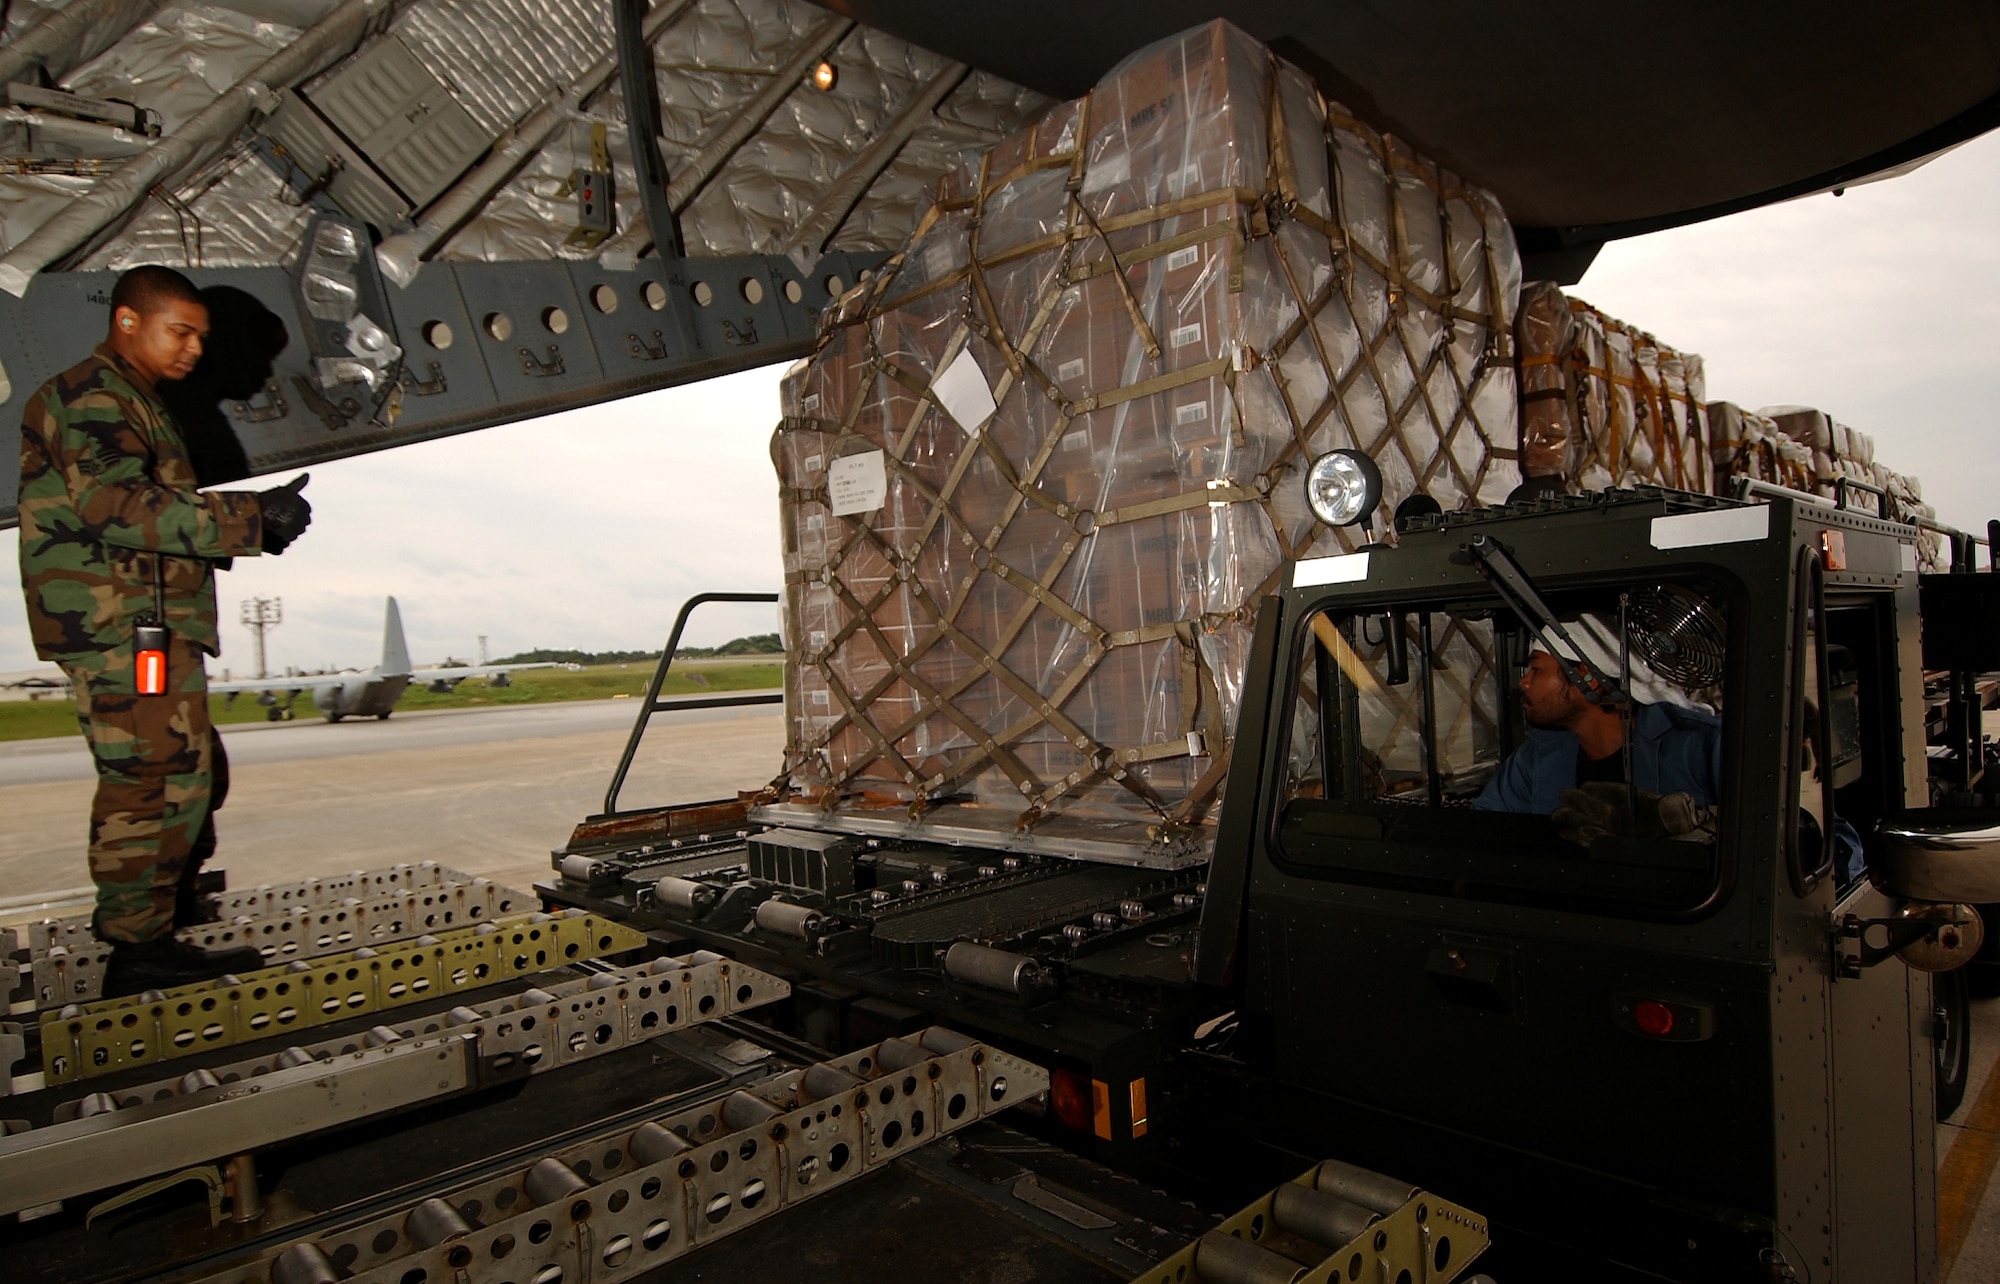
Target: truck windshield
1446,746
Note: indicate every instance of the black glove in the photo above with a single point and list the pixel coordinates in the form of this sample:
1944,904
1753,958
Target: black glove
286,513
1602,809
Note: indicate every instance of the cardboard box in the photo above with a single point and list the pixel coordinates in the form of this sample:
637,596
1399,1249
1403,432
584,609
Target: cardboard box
1170,321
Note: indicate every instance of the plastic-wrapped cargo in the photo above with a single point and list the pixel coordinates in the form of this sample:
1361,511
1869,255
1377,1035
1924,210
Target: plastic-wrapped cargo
1839,452
1041,467
1604,404
1746,443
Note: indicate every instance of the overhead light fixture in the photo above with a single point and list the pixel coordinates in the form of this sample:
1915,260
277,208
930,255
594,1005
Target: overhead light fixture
1343,487
824,77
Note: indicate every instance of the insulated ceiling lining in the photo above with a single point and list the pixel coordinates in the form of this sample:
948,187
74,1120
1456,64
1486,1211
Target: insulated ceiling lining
502,57
176,64
502,60
237,213
181,60
708,63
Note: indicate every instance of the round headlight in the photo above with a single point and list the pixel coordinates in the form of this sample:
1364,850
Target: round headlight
1343,487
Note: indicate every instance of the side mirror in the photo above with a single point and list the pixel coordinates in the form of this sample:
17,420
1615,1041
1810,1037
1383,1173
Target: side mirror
1942,857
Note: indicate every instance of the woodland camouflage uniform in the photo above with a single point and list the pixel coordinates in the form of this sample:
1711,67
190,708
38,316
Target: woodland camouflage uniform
107,503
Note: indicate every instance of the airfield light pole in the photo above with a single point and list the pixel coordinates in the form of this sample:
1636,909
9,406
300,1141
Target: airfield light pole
260,615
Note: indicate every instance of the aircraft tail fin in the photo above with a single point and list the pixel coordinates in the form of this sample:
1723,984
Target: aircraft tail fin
395,651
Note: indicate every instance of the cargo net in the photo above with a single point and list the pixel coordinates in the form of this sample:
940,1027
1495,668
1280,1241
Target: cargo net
1605,405
1044,464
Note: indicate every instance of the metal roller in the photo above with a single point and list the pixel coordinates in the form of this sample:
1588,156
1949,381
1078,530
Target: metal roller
577,869
823,1081
700,957
294,1057
901,1054
685,895
1323,1218
198,1081
552,1179
1001,970
1224,1259
604,981
939,1041
654,1143
534,999
740,1110
433,1222
1364,1187
380,1036
462,1015
784,919
303,1264
97,1103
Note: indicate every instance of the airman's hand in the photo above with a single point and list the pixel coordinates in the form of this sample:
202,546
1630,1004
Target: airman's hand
286,513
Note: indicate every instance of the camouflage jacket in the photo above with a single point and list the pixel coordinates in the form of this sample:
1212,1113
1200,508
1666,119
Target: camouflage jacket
106,493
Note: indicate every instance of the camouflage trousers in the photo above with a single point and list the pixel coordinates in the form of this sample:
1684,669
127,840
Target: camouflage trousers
156,757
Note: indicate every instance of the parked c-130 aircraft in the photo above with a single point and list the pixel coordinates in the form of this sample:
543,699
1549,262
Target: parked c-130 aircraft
371,692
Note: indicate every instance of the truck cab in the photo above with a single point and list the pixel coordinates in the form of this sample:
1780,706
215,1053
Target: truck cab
1688,1048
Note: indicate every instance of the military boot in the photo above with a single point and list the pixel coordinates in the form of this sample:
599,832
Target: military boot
165,962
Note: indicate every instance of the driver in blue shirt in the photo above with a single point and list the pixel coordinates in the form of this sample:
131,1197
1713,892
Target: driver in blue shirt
1575,748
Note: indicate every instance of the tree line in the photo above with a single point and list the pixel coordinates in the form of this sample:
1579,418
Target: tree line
757,644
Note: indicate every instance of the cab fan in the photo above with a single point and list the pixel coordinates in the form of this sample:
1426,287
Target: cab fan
1679,633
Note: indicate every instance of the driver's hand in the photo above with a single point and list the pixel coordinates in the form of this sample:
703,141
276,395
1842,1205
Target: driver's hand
1605,810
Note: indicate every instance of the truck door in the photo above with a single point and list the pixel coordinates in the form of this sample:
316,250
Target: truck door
1861,689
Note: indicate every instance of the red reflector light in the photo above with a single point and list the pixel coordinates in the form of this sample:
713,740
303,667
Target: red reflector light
1069,1097
1653,1017
152,673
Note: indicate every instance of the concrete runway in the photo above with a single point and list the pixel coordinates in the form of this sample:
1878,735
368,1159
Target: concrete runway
488,791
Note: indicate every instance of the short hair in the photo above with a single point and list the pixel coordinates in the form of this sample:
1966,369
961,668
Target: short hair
145,288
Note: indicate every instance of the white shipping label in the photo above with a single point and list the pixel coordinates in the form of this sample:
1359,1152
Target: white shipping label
1909,562
1186,256
1347,568
857,483
1078,440
961,388
811,463
938,260
1722,526
1192,413
1070,369
811,401
1109,172
1185,334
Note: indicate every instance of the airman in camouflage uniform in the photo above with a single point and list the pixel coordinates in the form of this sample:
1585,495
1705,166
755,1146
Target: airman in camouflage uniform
111,525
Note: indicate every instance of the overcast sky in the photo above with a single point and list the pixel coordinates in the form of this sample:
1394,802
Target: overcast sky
588,529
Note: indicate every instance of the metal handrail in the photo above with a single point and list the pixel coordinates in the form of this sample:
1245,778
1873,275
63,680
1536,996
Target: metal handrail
653,704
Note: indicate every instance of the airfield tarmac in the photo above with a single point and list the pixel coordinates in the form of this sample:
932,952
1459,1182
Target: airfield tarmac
487,791
492,791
